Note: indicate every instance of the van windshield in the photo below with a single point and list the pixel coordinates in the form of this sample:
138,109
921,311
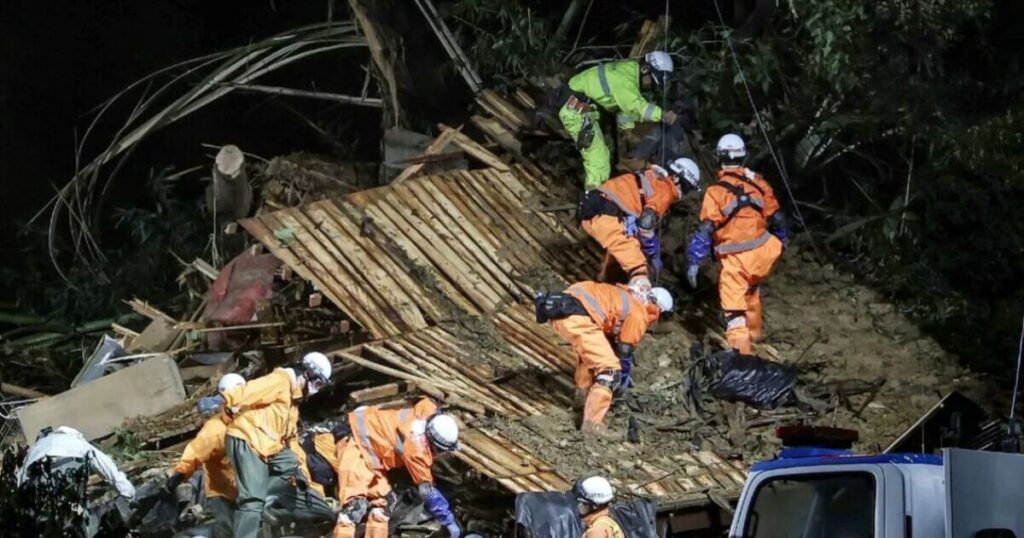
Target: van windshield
840,505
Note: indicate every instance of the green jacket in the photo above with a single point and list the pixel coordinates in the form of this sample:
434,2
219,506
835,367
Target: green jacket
615,86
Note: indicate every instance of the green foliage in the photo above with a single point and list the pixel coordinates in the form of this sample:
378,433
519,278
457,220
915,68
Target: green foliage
52,505
504,38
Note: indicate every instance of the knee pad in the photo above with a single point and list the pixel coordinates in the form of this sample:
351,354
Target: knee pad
612,379
379,514
356,509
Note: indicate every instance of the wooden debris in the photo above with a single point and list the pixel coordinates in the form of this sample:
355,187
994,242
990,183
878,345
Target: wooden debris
382,58
434,148
451,46
475,150
374,394
10,388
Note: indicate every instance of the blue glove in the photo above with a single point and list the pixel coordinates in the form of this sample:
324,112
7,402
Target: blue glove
627,371
630,224
650,245
777,225
700,247
209,406
437,505
454,530
691,275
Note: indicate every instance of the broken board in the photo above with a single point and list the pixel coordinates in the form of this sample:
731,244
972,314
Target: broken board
147,388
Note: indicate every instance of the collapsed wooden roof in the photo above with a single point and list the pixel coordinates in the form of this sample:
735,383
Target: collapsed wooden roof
405,260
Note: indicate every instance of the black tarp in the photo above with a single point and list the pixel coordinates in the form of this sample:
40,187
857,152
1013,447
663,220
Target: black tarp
554,515
730,376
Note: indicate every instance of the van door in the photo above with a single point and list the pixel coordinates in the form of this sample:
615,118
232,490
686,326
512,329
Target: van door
984,490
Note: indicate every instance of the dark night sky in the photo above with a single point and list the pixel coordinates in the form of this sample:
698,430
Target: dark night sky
62,58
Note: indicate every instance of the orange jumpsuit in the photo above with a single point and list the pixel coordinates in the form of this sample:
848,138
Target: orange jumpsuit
266,415
745,248
600,524
631,194
207,450
382,440
613,313
325,447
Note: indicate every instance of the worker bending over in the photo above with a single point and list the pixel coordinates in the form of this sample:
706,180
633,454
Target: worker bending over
62,453
591,316
385,439
623,216
741,220
615,87
206,450
593,495
265,416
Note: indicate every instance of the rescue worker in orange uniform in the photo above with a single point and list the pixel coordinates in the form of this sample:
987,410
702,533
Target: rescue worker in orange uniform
624,212
740,218
593,495
591,316
258,441
385,439
206,450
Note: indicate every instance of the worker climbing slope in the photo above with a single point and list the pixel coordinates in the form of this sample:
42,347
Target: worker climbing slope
207,450
264,423
623,216
385,439
593,495
615,87
592,316
740,219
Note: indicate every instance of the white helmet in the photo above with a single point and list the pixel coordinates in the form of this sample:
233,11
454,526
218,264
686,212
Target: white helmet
731,148
660,65
686,170
230,381
443,432
663,299
595,490
318,371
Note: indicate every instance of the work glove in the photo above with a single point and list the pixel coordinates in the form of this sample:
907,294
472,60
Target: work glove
210,405
172,482
626,379
640,287
454,530
629,223
691,275
670,117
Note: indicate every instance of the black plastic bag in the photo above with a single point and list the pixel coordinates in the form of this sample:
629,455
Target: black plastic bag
730,376
554,515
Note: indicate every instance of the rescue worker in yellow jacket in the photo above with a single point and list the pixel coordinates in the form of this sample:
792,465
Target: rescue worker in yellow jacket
207,451
615,87
623,216
385,439
264,425
592,316
593,497
740,218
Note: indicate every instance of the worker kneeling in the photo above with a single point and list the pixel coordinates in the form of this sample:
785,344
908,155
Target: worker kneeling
741,219
265,416
593,495
592,315
386,439
623,216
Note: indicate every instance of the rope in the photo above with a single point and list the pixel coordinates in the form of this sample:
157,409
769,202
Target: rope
1016,381
764,132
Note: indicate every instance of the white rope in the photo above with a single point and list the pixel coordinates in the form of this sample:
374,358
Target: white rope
764,131
1016,380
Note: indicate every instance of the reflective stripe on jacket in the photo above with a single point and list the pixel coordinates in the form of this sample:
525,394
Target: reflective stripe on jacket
264,412
616,87
614,308
207,450
632,193
748,228
395,438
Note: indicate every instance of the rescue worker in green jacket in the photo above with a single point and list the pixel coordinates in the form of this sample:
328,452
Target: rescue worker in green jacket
614,87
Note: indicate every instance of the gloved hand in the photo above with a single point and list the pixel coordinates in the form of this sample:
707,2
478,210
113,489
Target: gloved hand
627,371
210,406
650,244
657,265
640,287
670,117
454,530
629,223
172,482
691,275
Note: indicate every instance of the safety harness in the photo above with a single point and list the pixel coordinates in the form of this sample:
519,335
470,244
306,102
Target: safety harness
584,295
743,199
602,201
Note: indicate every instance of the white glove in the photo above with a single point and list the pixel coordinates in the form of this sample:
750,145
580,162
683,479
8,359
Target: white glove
691,275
